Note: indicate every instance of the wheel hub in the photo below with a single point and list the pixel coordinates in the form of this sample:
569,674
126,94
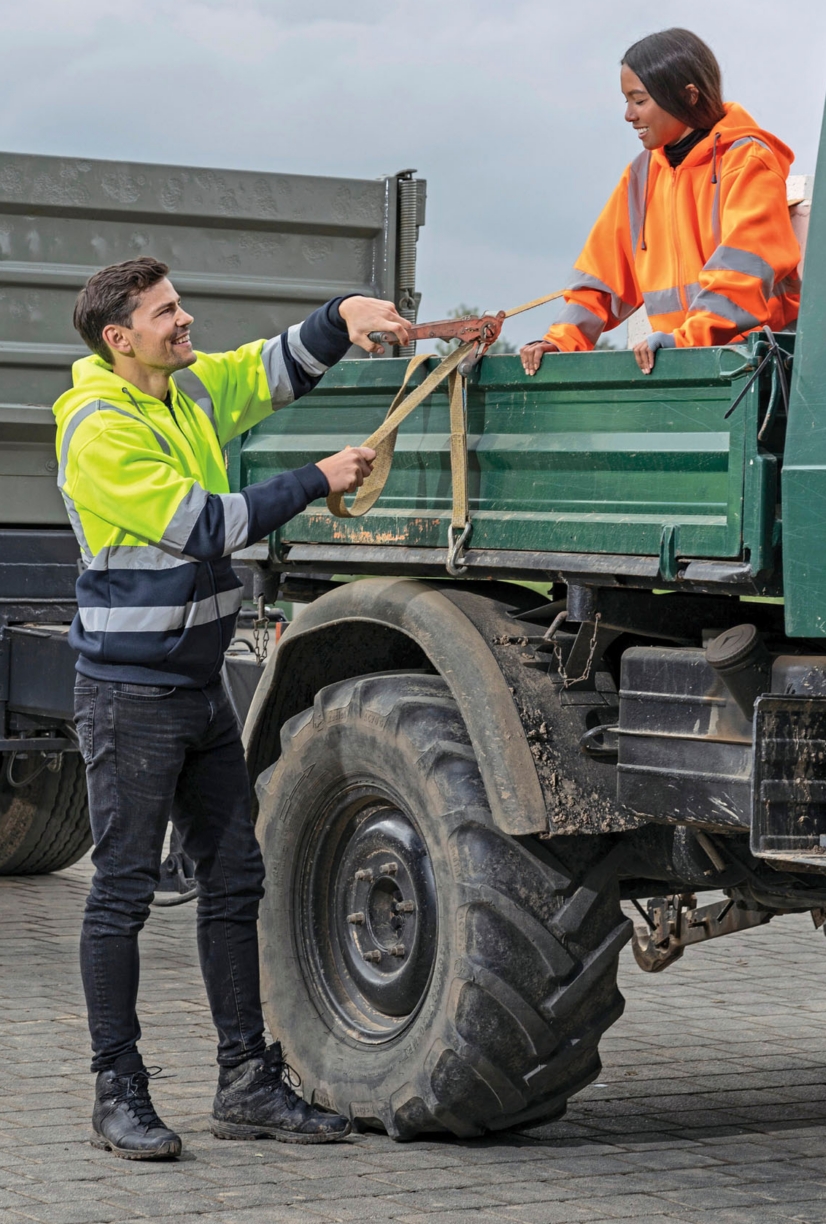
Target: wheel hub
378,905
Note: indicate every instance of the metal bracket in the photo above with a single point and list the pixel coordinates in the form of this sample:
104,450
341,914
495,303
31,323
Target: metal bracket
454,566
672,923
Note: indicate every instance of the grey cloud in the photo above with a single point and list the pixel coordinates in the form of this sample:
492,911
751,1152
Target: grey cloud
511,111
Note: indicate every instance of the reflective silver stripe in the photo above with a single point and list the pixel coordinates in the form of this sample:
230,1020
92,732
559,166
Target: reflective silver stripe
720,305
179,528
161,619
663,301
588,323
189,382
733,259
278,378
584,280
77,528
744,140
310,363
81,415
637,183
691,292
236,521
203,611
137,557
716,228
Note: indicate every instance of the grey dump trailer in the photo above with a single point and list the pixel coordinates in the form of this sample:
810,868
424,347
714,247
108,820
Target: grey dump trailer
251,254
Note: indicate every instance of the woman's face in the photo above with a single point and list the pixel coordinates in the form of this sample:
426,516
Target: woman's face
653,125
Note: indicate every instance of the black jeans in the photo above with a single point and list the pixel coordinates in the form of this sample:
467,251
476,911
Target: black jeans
153,753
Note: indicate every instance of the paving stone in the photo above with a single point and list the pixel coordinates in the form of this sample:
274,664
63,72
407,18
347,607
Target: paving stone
709,1107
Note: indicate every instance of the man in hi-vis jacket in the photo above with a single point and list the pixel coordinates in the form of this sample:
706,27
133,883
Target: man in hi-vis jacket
140,443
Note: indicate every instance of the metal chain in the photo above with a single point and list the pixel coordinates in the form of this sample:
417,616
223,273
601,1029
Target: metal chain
261,632
567,680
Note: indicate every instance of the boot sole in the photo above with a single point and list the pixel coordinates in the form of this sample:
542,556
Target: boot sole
98,1141
242,1130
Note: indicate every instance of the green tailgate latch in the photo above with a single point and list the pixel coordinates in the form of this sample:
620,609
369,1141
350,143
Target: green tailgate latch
668,552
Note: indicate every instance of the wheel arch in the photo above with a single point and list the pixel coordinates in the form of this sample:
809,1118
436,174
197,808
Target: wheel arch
385,624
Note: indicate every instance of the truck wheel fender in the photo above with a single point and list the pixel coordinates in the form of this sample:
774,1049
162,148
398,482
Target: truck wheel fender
404,624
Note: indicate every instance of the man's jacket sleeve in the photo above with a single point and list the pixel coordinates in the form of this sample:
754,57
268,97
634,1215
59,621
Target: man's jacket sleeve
756,244
603,290
240,388
131,484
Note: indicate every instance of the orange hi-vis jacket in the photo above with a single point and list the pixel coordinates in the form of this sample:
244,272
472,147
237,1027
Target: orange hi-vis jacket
708,246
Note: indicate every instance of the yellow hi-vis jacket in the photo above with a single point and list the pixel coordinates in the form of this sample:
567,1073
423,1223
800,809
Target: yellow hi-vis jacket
146,488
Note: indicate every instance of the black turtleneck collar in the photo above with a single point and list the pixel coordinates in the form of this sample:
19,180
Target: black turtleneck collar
677,152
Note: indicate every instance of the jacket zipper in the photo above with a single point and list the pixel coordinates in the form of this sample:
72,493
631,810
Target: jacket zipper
675,237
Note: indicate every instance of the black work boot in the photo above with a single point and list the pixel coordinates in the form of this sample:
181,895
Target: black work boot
124,1120
256,1101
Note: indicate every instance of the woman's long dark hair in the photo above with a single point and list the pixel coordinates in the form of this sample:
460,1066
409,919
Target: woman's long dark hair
668,62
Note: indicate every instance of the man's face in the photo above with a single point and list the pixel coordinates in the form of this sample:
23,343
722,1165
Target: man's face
159,336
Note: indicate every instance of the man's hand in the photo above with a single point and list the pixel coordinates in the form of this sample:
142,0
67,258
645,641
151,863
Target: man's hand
532,355
349,469
364,314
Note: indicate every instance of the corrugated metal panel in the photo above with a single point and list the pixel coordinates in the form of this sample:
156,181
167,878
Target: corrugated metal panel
251,253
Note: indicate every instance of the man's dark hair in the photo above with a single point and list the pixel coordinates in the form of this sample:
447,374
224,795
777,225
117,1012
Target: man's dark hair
668,62
111,295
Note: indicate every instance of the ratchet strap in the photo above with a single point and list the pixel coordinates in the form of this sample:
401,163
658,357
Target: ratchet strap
383,439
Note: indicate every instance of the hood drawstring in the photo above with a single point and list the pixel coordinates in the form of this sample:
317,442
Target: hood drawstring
715,206
717,136
130,396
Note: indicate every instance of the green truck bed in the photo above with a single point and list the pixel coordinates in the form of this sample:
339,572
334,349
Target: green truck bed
589,457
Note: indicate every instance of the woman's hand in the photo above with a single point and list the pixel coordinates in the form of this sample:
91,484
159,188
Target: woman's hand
533,353
643,356
645,350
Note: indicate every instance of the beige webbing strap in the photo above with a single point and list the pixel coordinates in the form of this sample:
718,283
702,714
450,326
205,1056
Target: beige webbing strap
383,440
549,297
458,451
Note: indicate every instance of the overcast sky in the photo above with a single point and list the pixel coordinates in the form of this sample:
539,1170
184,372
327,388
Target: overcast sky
510,108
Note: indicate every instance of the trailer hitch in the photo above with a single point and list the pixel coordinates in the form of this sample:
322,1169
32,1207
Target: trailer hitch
672,923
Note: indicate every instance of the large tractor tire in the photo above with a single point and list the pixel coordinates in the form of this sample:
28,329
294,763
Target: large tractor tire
424,970
44,822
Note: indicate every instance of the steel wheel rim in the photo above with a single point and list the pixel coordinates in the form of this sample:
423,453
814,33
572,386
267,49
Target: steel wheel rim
366,913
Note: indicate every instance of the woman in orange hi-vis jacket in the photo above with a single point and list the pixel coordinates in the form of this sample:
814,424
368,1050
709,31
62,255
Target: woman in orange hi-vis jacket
698,228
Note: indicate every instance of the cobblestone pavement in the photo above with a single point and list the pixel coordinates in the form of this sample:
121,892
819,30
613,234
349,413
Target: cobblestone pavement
710,1109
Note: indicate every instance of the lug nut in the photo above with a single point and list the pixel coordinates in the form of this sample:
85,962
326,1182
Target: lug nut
398,950
389,868
365,874
373,957
357,919
404,907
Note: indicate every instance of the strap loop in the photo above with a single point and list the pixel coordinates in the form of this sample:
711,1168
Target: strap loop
383,442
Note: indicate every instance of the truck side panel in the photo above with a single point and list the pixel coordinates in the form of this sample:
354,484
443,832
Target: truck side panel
250,252
590,456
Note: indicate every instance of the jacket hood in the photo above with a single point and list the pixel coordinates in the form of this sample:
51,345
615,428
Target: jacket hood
94,379
736,124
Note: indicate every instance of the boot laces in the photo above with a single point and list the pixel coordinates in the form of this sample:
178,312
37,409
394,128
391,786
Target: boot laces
280,1074
133,1091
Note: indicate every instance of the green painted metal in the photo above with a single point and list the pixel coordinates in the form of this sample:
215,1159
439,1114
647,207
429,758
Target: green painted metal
589,456
804,469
